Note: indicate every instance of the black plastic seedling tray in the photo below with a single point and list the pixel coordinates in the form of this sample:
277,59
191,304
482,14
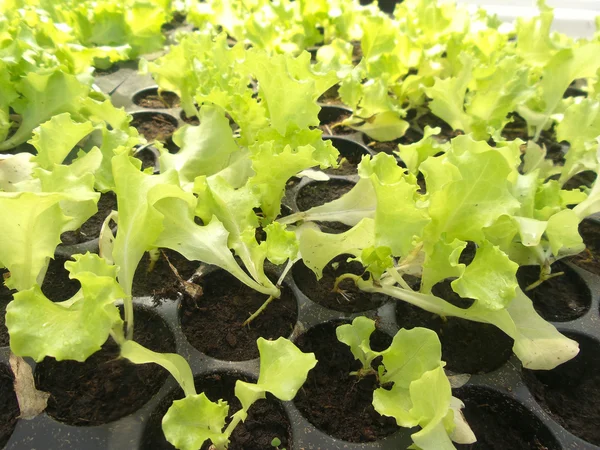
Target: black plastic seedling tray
503,391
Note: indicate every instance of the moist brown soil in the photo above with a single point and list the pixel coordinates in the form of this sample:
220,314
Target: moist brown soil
582,179
501,423
162,283
106,387
90,229
5,299
266,418
352,299
351,154
559,299
9,406
321,192
467,346
147,157
57,285
213,322
433,121
330,116
334,401
571,392
153,126
151,99
192,120
589,259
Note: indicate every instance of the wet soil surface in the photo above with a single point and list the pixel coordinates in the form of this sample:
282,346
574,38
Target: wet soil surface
154,126
351,300
90,229
266,418
162,283
57,285
150,98
5,299
571,392
147,157
106,387
334,401
589,259
559,299
467,346
321,192
213,322
501,423
9,406
351,153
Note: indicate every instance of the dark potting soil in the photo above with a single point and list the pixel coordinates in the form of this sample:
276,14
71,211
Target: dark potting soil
589,259
331,96
467,346
162,283
334,401
330,117
571,392
106,387
192,120
518,129
266,418
559,299
321,192
582,179
150,98
9,406
213,322
350,155
90,229
433,121
351,300
154,126
177,21
5,299
147,157
501,423
57,285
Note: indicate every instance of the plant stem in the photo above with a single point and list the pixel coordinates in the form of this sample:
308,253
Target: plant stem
258,311
128,313
543,278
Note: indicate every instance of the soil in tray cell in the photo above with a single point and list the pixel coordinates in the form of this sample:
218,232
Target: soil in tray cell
57,285
213,323
467,346
90,229
106,387
150,98
5,299
148,158
559,299
9,406
589,259
501,423
571,392
321,192
161,282
154,126
329,118
350,299
334,401
350,156
266,418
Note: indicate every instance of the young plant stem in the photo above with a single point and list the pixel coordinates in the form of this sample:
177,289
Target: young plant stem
543,277
257,313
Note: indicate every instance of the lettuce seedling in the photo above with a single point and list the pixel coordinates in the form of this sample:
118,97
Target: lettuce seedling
420,394
195,419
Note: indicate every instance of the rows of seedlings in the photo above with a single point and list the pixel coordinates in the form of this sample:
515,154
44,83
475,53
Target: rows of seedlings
380,242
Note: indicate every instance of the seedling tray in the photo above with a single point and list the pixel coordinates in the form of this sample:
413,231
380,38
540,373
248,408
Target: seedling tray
503,393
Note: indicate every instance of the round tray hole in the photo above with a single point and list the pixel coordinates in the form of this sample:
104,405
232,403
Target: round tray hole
154,125
106,387
467,346
589,259
351,153
9,406
334,401
500,422
91,228
266,418
571,391
213,323
559,299
150,98
351,299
